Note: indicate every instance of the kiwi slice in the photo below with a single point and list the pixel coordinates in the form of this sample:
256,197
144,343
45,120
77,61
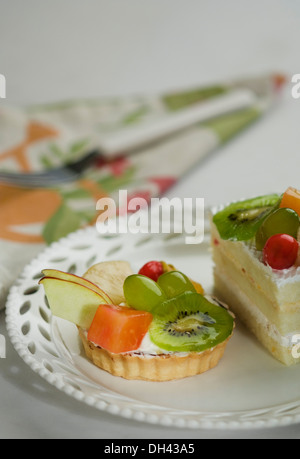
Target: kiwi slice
190,323
240,220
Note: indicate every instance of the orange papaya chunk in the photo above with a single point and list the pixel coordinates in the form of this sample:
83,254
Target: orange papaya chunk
291,199
119,329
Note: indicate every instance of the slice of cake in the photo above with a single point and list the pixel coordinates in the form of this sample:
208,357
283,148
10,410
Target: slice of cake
256,268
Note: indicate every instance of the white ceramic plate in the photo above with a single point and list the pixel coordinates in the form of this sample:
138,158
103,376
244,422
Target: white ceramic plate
248,388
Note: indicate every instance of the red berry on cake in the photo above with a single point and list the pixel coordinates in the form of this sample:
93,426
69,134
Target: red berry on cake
280,251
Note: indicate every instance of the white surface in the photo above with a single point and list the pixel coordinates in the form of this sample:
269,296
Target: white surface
62,49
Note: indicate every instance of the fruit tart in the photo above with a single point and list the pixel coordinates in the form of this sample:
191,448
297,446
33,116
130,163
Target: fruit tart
255,246
155,325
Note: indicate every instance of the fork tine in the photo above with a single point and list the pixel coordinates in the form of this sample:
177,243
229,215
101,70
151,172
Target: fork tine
38,180
51,177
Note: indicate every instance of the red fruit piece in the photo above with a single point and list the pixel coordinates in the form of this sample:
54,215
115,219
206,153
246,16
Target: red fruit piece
119,329
152,269
280,251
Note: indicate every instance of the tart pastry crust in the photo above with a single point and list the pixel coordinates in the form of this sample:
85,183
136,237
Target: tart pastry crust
161,367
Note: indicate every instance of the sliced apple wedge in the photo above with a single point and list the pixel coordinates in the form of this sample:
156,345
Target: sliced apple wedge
72,301
110,277
54,273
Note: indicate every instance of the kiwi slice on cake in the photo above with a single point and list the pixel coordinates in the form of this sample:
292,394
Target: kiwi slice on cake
240,221
190,323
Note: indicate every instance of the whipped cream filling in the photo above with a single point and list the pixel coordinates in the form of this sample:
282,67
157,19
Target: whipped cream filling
148,349
252,309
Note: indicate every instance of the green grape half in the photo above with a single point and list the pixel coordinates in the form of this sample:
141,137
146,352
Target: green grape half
143,293
174,283
281,221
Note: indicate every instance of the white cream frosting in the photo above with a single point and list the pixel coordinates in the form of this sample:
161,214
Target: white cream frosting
280,277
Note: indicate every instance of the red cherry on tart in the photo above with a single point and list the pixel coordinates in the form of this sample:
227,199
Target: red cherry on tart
119,329
280,251
152,269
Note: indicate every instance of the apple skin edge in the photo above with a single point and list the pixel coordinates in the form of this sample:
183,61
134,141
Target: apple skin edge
54,273
72,301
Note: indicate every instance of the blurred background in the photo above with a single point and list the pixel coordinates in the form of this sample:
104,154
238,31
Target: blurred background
62,49
66,49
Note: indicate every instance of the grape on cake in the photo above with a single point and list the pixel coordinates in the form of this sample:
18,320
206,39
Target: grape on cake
255,245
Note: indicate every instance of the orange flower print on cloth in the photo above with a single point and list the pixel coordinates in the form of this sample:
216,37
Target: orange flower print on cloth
21,208
45,215
34,132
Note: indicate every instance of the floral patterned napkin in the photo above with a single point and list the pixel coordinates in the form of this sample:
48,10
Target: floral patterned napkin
42,137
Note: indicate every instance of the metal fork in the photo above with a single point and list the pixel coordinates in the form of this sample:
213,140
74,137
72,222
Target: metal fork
66,173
